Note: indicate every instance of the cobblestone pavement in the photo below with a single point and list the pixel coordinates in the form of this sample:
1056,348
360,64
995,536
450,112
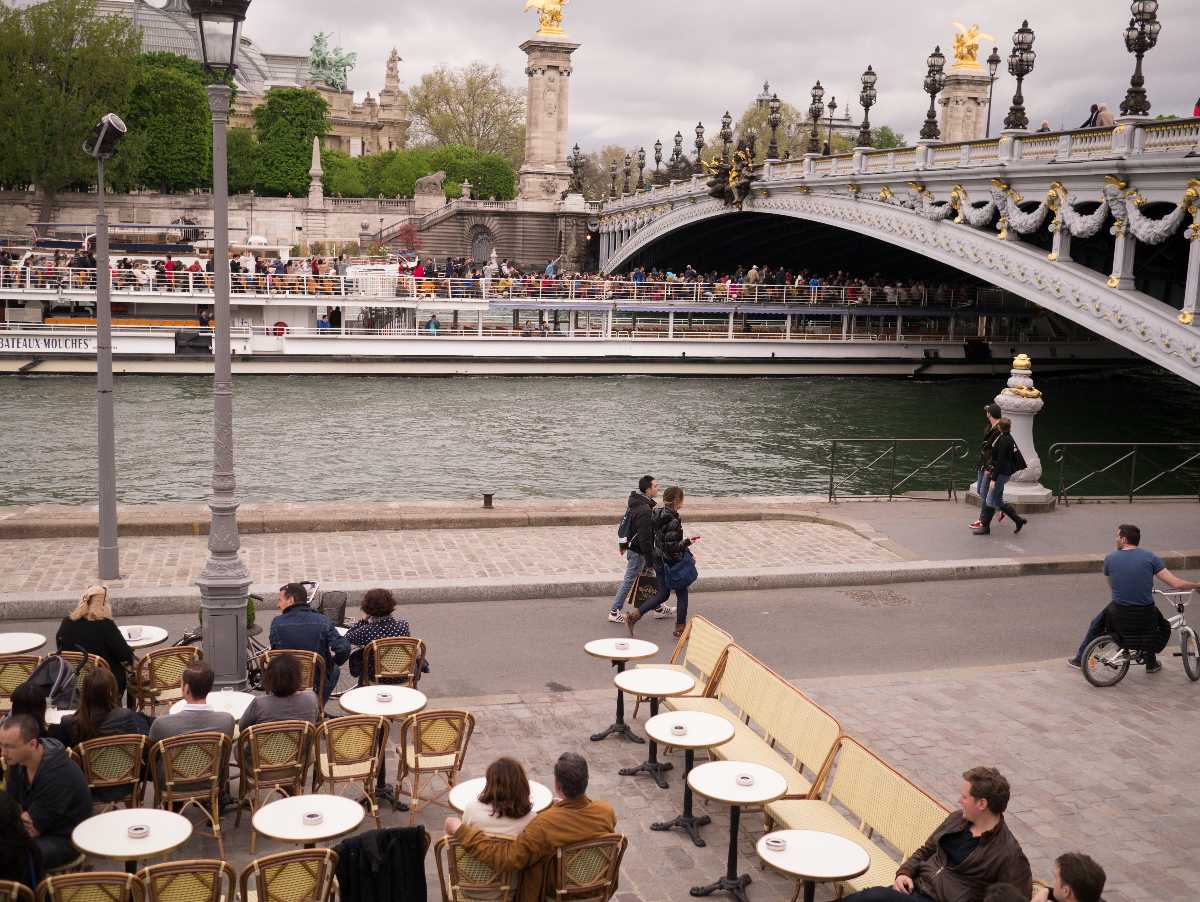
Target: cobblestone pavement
66,564
1107,772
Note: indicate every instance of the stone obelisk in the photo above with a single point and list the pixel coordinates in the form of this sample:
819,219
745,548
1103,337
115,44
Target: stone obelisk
544,175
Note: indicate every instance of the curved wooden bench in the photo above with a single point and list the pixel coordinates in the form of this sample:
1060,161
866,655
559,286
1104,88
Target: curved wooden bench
697,653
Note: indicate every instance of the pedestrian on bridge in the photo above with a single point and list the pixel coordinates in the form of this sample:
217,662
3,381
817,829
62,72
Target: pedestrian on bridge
1006,459
982,476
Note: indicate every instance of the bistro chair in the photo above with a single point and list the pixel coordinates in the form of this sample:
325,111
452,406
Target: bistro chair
14,670
433,742
396,659
586,870
81,663
464,878
273,759
312,670
94,886
188,771
198,880
11,891
303,874
349,750
157,675
113,766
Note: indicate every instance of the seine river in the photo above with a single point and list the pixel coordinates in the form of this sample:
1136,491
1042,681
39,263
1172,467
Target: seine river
331,438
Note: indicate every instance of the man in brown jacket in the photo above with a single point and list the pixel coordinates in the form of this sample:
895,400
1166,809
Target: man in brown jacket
573,818
971,850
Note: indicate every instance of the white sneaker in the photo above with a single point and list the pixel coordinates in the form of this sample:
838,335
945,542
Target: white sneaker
663,611
616,616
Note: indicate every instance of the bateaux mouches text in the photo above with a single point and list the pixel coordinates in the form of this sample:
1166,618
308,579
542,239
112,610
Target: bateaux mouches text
48,344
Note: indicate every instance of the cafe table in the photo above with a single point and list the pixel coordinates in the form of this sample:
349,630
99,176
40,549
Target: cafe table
402,701
463,794
701,731
620,652
20,643
291,819
228,700
813,857
141,636
653,684
108,835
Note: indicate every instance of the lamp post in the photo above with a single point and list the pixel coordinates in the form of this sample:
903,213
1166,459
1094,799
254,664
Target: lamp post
612,172
101,145
641,163
935,80
774,117
993,64
251,229
1020,64
224,581
575,161
1140,38
726,134
699,144
628,170
814,113
867,97
658,146
676,155
832,107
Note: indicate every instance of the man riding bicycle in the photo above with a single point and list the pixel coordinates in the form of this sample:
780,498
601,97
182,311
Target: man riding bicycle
1131,571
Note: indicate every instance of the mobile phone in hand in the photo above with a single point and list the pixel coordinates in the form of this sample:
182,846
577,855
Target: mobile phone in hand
695,539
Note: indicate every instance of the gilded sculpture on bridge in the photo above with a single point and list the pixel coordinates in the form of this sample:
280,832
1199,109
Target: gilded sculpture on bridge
732,179
550,14
966,46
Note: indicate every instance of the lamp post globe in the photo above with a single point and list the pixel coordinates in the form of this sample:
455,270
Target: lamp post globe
726,134
220,26
774,117
1140,38
832,108
993,64
866,98
1020,64
628,171
641,164
815,108
935,80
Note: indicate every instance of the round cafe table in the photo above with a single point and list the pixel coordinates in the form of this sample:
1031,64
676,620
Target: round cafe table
653,684
228,700
704,731
283,819
463,794
718,780
107,835
54,716
814,857
404,701
620,652
149,636
19,643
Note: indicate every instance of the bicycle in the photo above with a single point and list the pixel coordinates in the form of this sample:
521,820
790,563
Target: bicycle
1105,661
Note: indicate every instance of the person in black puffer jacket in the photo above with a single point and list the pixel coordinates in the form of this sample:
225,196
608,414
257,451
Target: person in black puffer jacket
670,545
1006,459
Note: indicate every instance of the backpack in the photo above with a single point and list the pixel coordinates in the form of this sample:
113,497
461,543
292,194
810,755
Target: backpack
625,527
57,679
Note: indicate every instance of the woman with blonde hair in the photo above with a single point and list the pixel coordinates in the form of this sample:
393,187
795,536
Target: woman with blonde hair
90,628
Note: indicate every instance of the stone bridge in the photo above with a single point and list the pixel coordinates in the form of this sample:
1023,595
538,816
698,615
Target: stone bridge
1004,210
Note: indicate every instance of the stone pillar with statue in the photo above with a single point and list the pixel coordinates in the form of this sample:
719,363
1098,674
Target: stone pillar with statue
964,100
545,175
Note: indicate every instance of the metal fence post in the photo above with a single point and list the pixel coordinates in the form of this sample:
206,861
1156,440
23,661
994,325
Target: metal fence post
832,466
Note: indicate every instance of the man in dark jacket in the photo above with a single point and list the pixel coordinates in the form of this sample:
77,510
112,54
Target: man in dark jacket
982,478
1006,459
971,850
300,627
637,545
51,790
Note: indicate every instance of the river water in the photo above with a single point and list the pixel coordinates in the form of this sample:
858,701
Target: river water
332,438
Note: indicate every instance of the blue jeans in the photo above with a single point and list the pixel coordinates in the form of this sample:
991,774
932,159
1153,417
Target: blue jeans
995,497
981,489
634,563
1095,629
664,592
885,894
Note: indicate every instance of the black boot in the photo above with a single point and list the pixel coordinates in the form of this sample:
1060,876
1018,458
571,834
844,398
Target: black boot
1014,516
985,522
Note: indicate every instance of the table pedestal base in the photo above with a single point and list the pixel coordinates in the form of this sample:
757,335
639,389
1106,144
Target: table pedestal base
619,728
656,769
735,886
690,825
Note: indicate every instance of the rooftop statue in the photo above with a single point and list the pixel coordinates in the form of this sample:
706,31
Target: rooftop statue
966,46
329,67
550,13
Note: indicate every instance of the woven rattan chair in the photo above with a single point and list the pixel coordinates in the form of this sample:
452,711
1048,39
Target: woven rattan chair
94,886
397,659
464,878
200,880
188,771
11,891
312,670
273,758
114,763
305,874
433,742
586,870
14,670
349,750
157,676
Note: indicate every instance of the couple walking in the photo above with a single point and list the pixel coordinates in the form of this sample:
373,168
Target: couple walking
652,540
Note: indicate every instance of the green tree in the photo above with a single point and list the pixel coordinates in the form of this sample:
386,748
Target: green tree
241,153
62,67
285,125
184,65
470,106
343,174
885,138
169,130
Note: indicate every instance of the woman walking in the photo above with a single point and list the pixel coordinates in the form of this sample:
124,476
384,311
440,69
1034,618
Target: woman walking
673,561
1006,459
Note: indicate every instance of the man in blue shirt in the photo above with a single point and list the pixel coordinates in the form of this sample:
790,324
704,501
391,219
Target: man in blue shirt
1131,571
299,626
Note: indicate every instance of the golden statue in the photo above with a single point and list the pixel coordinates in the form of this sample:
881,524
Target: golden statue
966,46
550,13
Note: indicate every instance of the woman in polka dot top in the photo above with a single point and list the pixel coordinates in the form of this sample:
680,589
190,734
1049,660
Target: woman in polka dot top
377,605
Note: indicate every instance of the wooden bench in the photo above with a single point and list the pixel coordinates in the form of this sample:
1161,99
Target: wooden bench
697,653
775,723
867,801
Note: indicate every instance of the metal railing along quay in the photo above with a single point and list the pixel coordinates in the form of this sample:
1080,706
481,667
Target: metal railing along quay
883,458
1130,455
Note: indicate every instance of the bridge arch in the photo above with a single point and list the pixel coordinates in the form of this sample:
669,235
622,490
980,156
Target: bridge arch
1126,317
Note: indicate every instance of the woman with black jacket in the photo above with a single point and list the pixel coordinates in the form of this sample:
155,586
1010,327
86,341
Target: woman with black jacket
90,628
982,477
670,547
1006,459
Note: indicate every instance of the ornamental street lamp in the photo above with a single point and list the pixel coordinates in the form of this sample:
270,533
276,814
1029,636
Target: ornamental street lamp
699,143
612,171
1140,38
774,117
677,153
993,64
224,582
628,170
832,107
1020,64
752,143
726,134
658,146
935,80
867,98
575,161
814,113
641,163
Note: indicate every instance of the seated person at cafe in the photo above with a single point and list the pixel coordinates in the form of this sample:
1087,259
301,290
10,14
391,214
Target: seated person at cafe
20,857
379,622
573,818
1077,878
285,698
49,786
90,628
300,627
972,849
504,807
100,712
195,715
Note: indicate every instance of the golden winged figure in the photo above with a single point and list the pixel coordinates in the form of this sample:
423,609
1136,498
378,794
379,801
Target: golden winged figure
550,14
966,45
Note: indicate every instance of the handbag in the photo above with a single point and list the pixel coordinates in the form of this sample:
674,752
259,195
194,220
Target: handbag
683,572
645,587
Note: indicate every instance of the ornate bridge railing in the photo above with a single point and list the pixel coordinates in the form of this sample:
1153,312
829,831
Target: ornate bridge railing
1182,472
883,466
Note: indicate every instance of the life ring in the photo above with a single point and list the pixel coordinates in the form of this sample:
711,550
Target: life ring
280,328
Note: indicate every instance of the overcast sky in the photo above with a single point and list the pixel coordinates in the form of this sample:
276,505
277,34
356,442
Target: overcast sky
646,68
